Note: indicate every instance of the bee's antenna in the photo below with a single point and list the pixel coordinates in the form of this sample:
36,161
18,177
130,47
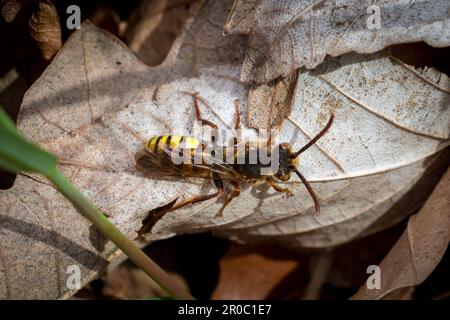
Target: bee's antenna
317,137
310,190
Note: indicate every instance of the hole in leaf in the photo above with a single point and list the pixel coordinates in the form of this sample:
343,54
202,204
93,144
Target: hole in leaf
6,180
421,55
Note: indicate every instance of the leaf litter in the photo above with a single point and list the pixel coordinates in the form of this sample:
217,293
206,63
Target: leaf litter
287,35
95,100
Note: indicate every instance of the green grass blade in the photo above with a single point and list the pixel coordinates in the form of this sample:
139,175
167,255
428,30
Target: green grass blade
17,154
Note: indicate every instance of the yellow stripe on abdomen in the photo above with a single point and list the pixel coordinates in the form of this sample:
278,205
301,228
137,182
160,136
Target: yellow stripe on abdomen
156,144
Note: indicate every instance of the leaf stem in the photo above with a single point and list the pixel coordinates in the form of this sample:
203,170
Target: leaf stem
106,227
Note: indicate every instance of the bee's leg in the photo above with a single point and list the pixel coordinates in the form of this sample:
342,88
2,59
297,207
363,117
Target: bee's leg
236,192
156,214
195,199
153,216
277,187
237,124
198,114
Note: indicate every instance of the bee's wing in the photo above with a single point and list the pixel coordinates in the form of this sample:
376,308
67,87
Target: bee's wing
148,160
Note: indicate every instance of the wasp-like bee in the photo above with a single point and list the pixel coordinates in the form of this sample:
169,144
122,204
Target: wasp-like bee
159,153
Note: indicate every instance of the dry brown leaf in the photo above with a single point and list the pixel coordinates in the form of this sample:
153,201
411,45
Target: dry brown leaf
10,9
45,29
252,272
96,98
401,294
126,282
420,248
103,16
286,35
154,26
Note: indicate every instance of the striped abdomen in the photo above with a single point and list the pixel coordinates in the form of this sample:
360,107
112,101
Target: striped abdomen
190,149
157,144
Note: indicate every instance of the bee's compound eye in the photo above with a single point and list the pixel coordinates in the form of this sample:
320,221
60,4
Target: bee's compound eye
284,145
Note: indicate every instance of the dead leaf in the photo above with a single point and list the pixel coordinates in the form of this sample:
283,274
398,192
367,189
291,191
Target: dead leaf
154,26
401,294
10,9
252,272
420,248
286,35
45,29
132,283
104,17
96,100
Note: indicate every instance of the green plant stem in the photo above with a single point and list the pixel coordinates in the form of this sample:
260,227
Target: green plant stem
106,227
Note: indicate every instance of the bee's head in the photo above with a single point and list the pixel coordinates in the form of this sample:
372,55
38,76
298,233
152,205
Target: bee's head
287,161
